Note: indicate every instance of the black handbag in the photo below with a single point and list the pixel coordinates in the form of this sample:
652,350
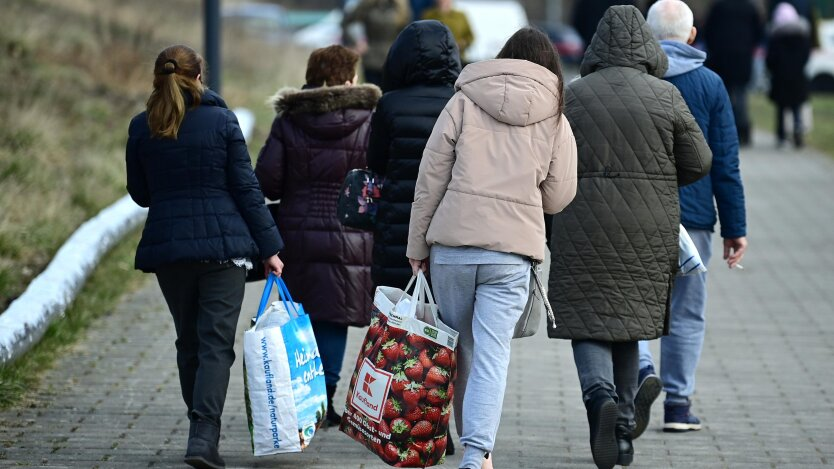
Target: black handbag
358,199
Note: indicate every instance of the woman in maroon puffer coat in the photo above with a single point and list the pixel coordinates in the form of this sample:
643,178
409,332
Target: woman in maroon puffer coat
320,133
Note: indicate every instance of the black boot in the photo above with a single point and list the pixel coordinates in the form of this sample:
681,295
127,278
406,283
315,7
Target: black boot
332,417
602,418
626,450
798,139
203,439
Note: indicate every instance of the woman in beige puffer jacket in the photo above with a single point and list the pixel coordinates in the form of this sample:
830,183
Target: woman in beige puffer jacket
501,155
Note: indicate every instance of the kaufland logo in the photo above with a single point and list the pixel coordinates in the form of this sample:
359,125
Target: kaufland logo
366,385
368,398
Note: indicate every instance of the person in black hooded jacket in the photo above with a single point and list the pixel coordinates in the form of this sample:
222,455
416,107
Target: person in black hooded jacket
419,77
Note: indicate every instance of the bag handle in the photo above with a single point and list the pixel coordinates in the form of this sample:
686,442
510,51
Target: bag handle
545,300
423,295
283,295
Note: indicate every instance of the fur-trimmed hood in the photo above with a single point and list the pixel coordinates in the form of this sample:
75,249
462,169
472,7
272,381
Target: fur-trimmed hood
325,99
329,112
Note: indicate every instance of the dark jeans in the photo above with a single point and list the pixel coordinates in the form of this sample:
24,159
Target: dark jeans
796,111
738,100
205,300
611,367
332,340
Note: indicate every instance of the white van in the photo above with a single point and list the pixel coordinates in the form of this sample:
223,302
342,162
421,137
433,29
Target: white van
492,22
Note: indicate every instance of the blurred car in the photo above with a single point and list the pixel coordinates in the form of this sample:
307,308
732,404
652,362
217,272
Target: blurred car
565,39
492,23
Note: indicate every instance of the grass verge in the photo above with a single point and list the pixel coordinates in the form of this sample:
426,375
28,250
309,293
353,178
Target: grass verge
104,288
821,136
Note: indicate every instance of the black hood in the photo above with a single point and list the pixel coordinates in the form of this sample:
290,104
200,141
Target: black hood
425,53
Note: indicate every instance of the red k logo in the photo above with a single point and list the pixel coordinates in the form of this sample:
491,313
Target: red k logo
366,386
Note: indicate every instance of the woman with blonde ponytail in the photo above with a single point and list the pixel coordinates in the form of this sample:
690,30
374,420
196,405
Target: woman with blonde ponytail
188,163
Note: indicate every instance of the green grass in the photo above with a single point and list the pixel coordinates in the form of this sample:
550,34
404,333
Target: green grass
98,297
821,135
74,72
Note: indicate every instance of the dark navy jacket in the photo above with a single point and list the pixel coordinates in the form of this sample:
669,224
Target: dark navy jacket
205,203
704,92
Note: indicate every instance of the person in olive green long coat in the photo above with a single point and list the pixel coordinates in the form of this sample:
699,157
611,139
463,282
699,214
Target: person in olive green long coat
456,21
615,247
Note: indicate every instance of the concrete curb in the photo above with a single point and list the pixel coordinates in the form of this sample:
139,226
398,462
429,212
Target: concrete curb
49,295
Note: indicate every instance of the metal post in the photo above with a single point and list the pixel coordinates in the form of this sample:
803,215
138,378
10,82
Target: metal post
212,42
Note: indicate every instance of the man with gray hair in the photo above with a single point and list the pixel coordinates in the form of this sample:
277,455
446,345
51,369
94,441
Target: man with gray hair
671,22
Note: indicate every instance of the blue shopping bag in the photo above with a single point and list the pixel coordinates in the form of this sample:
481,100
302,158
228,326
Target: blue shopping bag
286,398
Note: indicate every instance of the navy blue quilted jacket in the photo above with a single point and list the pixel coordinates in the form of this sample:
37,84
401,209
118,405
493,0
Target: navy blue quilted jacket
205,203
704,92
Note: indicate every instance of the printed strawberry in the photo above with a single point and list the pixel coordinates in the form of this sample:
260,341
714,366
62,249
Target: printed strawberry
422,430
406,351
377,448
392,408
432,414
413,369
412,394
391,453
375,329
442,358
413,414
380,361
436,377
400,429
366,349
445,415
418,341
409,458
425,360
382,429
423,447
391,350
440,445
436,396
396,332
399,382
450,391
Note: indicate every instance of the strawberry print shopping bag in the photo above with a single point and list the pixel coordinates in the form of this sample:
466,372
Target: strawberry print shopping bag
400,396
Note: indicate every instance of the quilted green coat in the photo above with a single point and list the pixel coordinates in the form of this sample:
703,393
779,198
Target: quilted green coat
615,247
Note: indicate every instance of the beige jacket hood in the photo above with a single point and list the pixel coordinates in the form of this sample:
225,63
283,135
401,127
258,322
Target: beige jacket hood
500,156
514,92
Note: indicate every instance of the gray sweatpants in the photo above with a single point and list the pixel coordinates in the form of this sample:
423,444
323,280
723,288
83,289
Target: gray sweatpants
482,301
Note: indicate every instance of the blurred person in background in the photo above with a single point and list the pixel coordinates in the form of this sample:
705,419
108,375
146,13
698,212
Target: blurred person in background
456,21
587,13
732,32
788,51
319,134
382,20
806,9
418,7
500,156
615,247
188,163
672,23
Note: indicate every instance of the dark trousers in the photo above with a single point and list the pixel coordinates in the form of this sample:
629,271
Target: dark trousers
205,300
332,340
611,367
738,100
796,111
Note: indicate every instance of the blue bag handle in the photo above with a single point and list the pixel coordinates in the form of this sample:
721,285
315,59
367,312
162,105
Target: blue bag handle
283,295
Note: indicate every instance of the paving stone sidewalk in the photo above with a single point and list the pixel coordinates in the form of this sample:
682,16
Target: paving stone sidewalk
765,384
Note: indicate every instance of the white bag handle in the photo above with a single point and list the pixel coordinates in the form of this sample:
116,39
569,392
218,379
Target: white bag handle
421,294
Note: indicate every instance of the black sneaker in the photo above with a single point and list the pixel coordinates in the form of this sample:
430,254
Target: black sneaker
677,418
647,392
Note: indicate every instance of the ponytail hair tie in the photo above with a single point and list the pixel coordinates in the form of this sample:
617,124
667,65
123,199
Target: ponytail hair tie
169,67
